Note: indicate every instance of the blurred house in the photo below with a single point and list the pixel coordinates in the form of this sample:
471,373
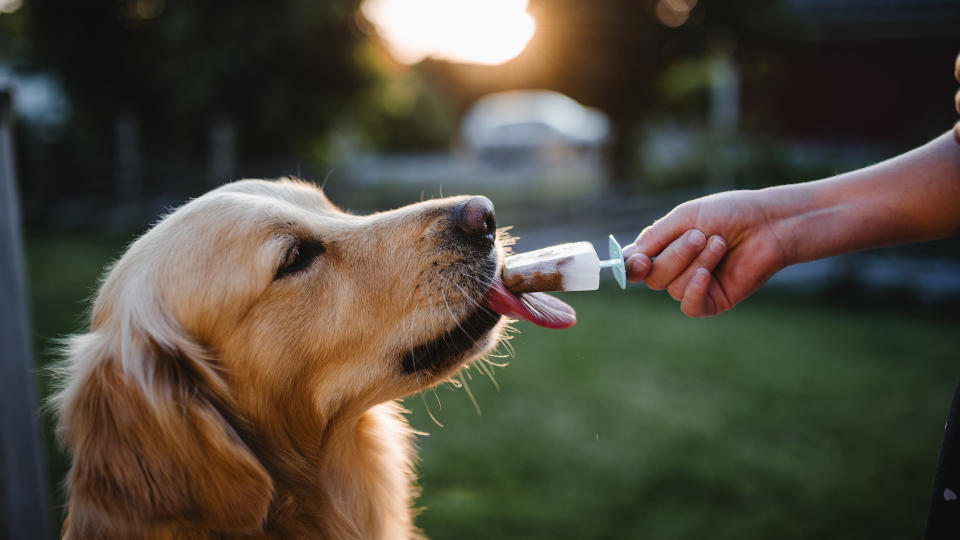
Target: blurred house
877,70
849,83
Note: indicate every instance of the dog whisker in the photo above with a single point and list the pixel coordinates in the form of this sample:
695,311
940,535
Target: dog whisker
476,279
486,369
452,316
462,291
406,332
470,394
429,412
407,302
480,280
496,353
483,365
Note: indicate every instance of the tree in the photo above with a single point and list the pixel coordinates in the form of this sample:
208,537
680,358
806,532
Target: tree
281,72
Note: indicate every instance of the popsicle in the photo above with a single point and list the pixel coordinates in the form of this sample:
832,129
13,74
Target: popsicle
564,267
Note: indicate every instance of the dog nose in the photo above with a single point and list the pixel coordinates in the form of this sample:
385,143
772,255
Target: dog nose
475,217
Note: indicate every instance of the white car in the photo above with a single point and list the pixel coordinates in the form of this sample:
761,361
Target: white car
531,124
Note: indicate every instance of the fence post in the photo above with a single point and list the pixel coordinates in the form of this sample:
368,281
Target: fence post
23,508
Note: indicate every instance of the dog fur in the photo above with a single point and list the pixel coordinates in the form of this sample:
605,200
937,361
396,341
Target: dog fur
243,359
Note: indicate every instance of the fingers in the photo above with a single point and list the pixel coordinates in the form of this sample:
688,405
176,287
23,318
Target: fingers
956,103
638,265
704,296
663,232
673,260
709,258
956,99
696,302
684,269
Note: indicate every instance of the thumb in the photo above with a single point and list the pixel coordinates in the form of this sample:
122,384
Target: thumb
662,232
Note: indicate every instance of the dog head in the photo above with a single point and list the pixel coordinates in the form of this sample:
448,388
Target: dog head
261,307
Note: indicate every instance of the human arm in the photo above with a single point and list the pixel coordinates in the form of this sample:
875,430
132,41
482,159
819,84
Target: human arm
913,197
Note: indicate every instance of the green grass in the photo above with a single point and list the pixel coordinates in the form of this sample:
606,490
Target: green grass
780,419
771,421
62,274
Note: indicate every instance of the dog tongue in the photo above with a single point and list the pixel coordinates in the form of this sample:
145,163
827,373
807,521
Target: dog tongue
539,308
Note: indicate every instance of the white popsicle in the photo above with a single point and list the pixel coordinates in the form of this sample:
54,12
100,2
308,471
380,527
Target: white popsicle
563,267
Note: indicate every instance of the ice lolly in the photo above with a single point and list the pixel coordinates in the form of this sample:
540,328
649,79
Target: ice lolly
564,267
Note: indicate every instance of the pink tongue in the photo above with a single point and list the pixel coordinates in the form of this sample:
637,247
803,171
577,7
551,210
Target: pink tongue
539,308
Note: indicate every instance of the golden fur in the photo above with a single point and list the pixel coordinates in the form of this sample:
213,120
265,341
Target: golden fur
216,395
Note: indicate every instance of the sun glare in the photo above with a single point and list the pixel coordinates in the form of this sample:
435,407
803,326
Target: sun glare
10,6
467,31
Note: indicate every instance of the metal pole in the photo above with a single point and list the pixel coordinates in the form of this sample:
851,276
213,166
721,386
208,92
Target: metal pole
23,507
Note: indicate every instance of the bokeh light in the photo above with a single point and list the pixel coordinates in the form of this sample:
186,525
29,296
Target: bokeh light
10,6
466,31
674,13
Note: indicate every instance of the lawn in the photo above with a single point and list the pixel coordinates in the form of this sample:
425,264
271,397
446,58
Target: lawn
781,419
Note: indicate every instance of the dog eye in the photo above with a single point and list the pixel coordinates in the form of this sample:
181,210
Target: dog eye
298,257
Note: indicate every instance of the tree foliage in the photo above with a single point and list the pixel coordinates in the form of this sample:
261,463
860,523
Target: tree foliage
281,71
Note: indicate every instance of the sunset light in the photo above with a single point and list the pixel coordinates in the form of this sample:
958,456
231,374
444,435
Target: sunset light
466,31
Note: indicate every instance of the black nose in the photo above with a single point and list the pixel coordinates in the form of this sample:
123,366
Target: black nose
476,219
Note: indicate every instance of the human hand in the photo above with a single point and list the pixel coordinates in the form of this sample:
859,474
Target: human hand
712,252
956,100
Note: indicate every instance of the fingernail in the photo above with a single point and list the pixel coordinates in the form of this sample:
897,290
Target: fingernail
639,265
629,250
717,245
697,238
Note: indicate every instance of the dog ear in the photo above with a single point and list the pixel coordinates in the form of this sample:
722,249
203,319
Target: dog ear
153,448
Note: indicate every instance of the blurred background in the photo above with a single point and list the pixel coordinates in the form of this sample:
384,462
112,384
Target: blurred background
815,408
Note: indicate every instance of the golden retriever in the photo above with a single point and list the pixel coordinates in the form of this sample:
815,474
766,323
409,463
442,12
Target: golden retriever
243,357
